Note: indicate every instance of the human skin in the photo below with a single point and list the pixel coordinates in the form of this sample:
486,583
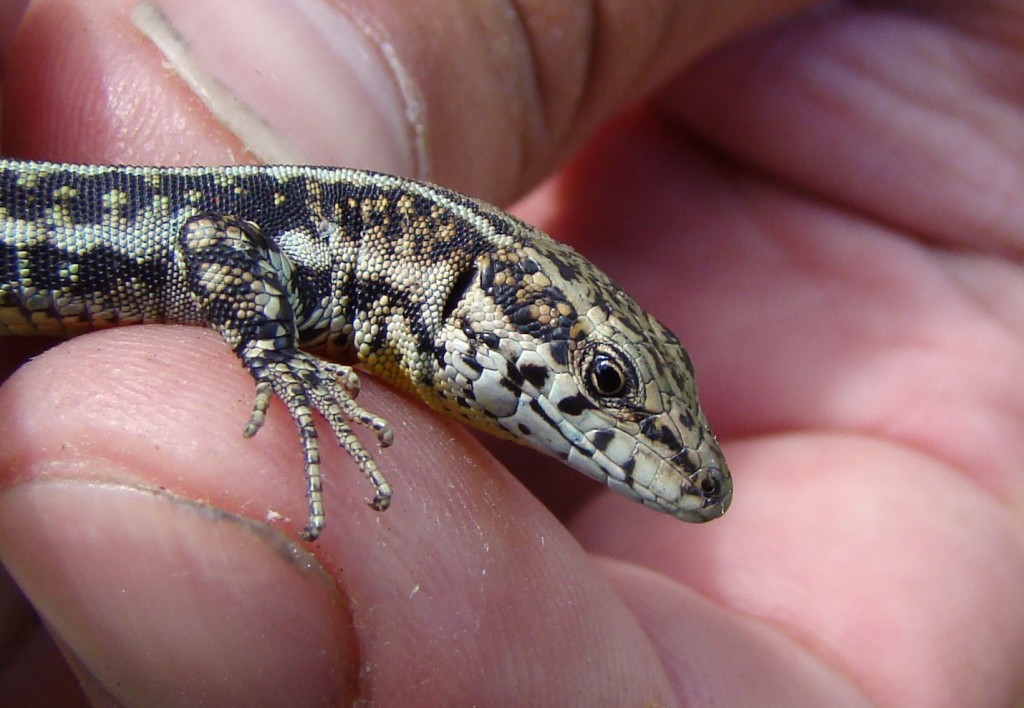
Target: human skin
827,213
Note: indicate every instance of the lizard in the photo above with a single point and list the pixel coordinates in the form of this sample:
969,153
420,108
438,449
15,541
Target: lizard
307,272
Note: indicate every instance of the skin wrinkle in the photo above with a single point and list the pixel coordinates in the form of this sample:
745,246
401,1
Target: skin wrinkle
559,112
414,110
519,92
536,84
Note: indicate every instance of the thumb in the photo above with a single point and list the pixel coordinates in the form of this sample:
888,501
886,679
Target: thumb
482,97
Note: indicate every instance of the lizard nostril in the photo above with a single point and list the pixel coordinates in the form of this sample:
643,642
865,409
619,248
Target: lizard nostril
709,481
710,486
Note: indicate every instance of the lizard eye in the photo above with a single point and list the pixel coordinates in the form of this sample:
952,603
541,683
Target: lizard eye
607,373
606,376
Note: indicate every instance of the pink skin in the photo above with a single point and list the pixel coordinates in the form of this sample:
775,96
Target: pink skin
827,213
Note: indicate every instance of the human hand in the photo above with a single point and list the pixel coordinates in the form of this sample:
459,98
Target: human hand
839,259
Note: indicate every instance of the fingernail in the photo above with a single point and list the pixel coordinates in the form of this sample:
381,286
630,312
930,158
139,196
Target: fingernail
298,82
161,599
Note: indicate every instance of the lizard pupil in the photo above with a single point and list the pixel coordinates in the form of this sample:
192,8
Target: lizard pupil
607,377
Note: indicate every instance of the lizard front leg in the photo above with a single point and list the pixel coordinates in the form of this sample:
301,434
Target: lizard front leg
241,282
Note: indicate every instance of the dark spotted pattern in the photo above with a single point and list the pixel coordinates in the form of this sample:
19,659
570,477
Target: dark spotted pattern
444,296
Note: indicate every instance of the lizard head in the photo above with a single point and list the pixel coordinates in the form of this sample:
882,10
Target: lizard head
541,347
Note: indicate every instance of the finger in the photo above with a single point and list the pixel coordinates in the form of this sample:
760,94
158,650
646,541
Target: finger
878,112
10,17
471,95
744,661
134,514
27,652
861,553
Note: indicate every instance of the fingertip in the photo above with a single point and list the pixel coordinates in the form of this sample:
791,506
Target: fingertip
353,108
83,85
115,426
713,655
159,598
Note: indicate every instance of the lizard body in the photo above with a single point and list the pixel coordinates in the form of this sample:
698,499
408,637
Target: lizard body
446,297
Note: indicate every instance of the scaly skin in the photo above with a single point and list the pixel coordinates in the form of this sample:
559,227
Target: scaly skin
475,312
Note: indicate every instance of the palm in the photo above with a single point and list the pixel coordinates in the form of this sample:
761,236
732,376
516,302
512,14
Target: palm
844,262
